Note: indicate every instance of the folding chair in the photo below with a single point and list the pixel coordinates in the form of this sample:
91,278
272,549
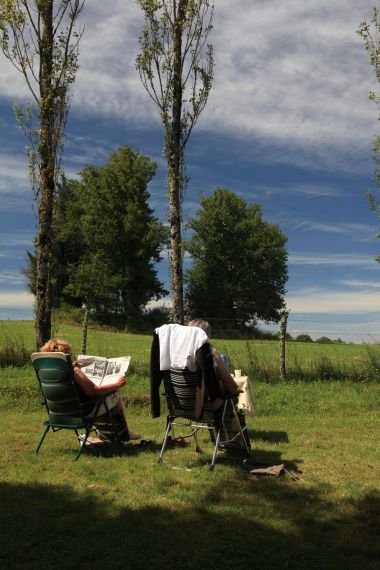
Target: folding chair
183,391
62,398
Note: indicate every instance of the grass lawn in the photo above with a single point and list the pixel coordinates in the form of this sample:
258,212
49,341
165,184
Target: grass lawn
309,361
125,511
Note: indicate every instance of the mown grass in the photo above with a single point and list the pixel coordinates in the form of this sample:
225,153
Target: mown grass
259,358
128,512
125,511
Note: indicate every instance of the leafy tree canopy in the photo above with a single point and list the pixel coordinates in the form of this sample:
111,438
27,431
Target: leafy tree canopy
239,263
303,338
106,239
324,340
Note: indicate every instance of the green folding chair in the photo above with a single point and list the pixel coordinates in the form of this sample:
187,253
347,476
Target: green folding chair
62,399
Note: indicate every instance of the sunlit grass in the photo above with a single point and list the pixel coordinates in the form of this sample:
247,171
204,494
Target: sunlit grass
126,511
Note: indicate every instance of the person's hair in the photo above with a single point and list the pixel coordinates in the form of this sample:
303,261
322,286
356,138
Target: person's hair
56,345
200,323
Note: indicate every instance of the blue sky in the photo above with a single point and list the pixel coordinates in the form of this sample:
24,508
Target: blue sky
288,125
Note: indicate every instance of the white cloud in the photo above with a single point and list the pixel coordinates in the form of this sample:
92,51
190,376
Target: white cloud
334,259
364,233
16,238
16,300
305,190
11,278
293,73
14,174
361,284
333,303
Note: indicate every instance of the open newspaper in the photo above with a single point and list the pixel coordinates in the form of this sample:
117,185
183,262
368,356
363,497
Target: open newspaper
103,371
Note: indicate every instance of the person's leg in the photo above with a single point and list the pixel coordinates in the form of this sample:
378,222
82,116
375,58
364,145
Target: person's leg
121,406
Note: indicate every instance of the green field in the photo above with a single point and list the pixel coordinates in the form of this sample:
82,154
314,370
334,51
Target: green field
125,511
259,358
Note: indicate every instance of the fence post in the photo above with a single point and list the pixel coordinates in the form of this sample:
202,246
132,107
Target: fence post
282,336
84,331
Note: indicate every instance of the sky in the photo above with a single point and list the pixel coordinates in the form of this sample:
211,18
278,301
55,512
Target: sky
288,125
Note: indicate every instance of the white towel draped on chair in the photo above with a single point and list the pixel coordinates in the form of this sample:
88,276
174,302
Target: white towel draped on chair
178,346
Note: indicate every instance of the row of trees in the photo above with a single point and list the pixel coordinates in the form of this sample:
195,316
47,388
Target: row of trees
107,241
97,240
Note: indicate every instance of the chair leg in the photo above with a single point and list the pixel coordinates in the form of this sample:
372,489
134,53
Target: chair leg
168,428
113,425
216,446
42,439
218,435
241,430
83,444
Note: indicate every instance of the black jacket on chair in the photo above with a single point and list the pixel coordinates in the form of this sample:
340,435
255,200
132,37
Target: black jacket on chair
206,371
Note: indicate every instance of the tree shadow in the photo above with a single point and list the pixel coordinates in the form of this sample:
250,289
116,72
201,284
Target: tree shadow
128,449
269,436
279,525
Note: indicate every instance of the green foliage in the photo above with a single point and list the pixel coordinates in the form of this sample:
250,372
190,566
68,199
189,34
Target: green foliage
13,352
30,46
176,68
108,238
164,21
40,38
324,340
370,34
303,337
239,271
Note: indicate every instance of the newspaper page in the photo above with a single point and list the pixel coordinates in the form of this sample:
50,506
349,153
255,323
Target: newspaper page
103,371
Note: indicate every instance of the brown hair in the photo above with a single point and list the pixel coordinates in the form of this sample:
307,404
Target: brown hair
56,345
200,323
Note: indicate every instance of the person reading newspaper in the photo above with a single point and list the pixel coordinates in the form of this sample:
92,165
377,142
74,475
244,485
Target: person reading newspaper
89,388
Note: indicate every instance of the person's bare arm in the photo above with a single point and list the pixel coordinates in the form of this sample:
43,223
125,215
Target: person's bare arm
92,390
223,374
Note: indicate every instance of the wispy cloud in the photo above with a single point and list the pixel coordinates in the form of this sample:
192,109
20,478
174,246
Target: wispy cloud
17,238
364,233
305,190
335,259
333,302
289,73
11,278
361,284
14,174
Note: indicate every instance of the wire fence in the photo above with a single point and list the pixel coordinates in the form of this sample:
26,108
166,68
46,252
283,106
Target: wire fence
347,329
331,349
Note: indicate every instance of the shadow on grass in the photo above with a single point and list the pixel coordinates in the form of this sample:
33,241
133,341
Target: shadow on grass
279,525
269,436
107,450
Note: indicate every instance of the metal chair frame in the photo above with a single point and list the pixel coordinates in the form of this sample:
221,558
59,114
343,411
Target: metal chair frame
213,421
85,422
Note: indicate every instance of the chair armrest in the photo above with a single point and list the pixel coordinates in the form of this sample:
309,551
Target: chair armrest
232,395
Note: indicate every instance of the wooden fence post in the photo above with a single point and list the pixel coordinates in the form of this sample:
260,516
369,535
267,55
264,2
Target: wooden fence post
283,324
84,332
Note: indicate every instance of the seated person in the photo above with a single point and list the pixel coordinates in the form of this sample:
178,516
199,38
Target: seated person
88,389
227,383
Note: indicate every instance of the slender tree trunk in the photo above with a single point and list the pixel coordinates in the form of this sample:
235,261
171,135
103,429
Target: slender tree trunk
47,177
175,161
84,331
283,324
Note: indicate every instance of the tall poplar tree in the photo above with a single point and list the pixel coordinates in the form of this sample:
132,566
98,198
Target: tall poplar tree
40,39
176,69
370,33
